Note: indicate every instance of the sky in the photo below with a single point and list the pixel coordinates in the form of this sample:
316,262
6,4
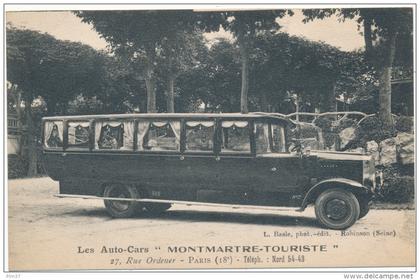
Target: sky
66,26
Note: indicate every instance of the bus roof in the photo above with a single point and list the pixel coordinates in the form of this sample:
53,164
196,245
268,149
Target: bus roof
253,115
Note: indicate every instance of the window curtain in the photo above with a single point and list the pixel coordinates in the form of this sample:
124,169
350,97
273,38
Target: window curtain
143,128
283,139
321,140
159,124
266,136
176,127
128,135
75,124
281,136
98,128
47,131
239,124
49,128
197,123
262,137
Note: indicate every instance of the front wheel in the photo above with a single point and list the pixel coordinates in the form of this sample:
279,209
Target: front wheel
337,209
118,208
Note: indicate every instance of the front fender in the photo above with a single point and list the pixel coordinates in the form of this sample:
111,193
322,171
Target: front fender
344,183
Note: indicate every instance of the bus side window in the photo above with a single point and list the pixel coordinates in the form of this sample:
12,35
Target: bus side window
78,134
159,136
53,134
278,136
114,135
235,137
199,136
261,132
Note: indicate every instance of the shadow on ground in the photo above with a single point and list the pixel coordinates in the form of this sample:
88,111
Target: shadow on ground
210,216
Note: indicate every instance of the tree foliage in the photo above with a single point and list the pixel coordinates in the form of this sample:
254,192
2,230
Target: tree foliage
152,37
245,25
56,70
387,33
160,61
40,67
283,65
279,66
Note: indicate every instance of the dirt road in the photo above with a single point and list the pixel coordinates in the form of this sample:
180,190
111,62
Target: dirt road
46,232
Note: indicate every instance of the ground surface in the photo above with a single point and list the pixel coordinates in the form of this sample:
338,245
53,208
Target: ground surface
46,232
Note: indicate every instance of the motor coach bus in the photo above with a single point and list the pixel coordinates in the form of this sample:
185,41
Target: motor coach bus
147,162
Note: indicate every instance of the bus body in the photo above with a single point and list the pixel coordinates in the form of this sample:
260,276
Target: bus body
146,162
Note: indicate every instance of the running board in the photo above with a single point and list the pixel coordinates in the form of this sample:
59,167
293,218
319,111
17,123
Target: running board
187,203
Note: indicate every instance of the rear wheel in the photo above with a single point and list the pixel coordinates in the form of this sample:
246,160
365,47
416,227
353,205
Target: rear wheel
337,209
118,208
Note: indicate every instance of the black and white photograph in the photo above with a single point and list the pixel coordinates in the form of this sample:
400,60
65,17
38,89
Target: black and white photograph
209,137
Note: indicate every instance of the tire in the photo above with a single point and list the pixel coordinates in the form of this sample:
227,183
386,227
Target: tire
337,209
121,209
364,207
156,208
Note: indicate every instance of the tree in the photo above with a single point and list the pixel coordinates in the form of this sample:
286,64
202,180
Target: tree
14,102
43,68
279,65
180,53
181,41
147,37
225,77
282,65
134,34
188,71
382,29
245,25
215,79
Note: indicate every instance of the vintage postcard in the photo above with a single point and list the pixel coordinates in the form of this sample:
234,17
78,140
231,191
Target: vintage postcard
210,137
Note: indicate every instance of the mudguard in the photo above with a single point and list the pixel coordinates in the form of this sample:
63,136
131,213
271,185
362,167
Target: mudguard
343,182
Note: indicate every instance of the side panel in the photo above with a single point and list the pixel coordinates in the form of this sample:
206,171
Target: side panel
277,181
162,176
264,180
236,180
54,165
162,173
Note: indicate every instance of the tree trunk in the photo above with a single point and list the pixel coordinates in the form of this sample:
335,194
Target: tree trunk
385,96
151,95
244,74
297,107
330,101
385,71
32,145
20,115
170,101
17,101
150,83
367,34
170,95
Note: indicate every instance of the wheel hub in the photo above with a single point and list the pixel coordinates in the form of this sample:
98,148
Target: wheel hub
336,209
120,205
